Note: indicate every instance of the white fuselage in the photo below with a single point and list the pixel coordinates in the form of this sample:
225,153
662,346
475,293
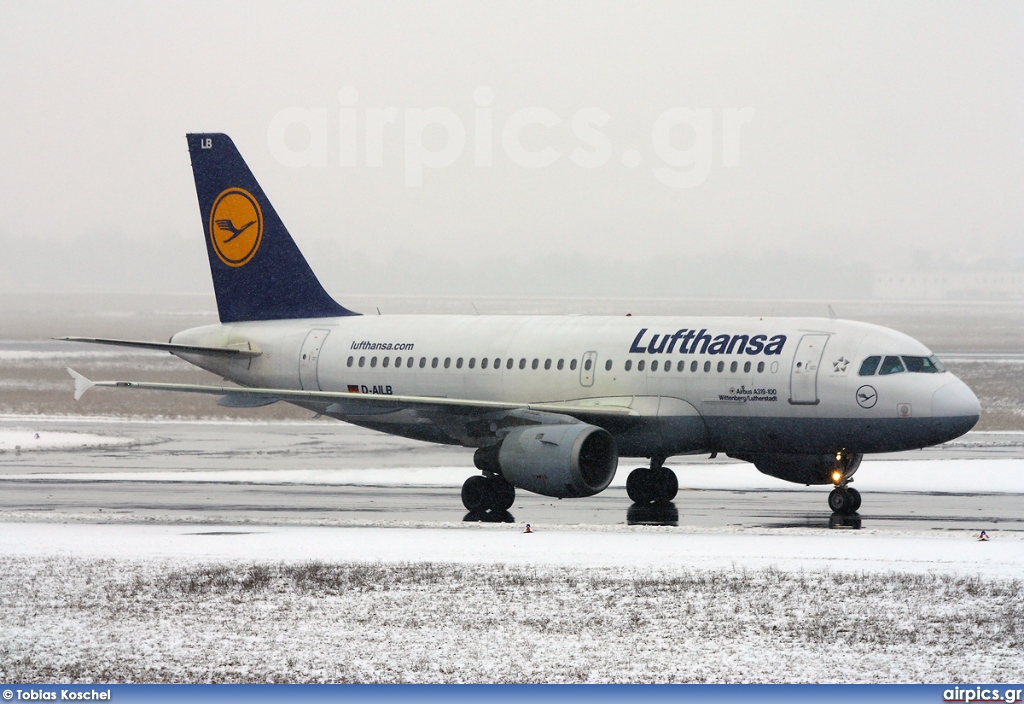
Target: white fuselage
738,385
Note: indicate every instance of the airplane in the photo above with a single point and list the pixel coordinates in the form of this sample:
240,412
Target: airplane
550,403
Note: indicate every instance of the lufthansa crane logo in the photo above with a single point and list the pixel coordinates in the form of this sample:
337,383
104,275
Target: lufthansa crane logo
236,226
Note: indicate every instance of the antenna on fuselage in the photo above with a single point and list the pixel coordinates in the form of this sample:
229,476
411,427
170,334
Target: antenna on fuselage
831,313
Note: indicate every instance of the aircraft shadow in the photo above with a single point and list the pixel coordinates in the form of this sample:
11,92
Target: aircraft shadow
652,515
488,517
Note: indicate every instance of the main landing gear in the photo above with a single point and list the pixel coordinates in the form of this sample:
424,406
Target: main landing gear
654,484
488,493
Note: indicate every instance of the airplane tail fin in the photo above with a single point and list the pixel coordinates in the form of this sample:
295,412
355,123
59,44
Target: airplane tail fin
258,271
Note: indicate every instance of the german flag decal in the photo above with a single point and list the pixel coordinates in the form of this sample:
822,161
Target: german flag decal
353,389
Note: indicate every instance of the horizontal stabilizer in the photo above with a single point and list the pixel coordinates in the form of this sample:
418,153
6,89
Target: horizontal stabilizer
244,350
81,383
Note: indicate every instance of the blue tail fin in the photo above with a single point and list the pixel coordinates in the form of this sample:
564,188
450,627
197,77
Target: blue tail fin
258,272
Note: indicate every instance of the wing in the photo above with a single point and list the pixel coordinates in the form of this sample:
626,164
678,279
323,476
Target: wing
440,411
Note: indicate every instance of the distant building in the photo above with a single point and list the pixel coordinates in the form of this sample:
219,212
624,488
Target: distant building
950,286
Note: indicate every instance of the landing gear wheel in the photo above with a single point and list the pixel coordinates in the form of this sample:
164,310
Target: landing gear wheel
645,485
840,501
476,494
640,486
667,486
854,500
504,494
481,494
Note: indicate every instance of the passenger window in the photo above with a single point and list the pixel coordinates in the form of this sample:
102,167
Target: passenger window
483,363
640,365
561,364
746,367
707,366
384,362
472,362
373,361
547,364
433,363
608,365
398,362
587,365
362,361
693,366
458,363
681,366
869,365
423,362
509,364
922,365
572,365
629,364
536,363
891,365
522,363
760,367
447,362
497,363
654,366
350,360
721,367
732,367
409,362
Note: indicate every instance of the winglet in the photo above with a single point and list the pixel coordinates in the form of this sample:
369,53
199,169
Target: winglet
81,383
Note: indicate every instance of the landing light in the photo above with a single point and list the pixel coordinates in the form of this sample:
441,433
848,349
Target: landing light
839,457
837,476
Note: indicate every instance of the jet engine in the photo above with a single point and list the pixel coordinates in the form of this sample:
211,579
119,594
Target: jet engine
565,461
807,469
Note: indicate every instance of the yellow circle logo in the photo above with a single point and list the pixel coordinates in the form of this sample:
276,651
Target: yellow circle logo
236,226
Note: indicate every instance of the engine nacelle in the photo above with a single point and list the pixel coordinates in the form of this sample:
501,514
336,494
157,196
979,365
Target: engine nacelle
807,469
565,461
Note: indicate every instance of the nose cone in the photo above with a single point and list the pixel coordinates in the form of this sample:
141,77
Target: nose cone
956,403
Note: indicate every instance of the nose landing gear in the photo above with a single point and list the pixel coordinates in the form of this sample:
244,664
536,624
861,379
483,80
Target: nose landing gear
844,499
656,484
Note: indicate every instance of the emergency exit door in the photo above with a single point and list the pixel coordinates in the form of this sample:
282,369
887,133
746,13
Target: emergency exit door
587,369
308,359
803,381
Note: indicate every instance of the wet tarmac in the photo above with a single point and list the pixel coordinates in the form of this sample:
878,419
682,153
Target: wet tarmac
217,446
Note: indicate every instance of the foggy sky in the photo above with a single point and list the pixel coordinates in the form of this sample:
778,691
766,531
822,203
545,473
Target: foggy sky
880,136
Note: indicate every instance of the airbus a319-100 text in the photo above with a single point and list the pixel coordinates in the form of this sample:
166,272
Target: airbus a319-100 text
551,402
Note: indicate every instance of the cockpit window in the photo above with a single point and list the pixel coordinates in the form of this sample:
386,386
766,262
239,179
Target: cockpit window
891,365
869,365
923,365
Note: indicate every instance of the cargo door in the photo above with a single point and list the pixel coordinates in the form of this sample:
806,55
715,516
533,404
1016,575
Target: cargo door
803,381
309,359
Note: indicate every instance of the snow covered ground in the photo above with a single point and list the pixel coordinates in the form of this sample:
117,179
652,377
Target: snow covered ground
947,476
72,619
29,440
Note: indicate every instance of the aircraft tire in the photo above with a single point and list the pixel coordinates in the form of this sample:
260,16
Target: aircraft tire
854,500
504,494
840,502
667,485
476,493
640,486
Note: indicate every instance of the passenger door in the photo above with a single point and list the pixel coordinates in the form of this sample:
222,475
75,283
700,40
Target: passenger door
308,358
803,381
